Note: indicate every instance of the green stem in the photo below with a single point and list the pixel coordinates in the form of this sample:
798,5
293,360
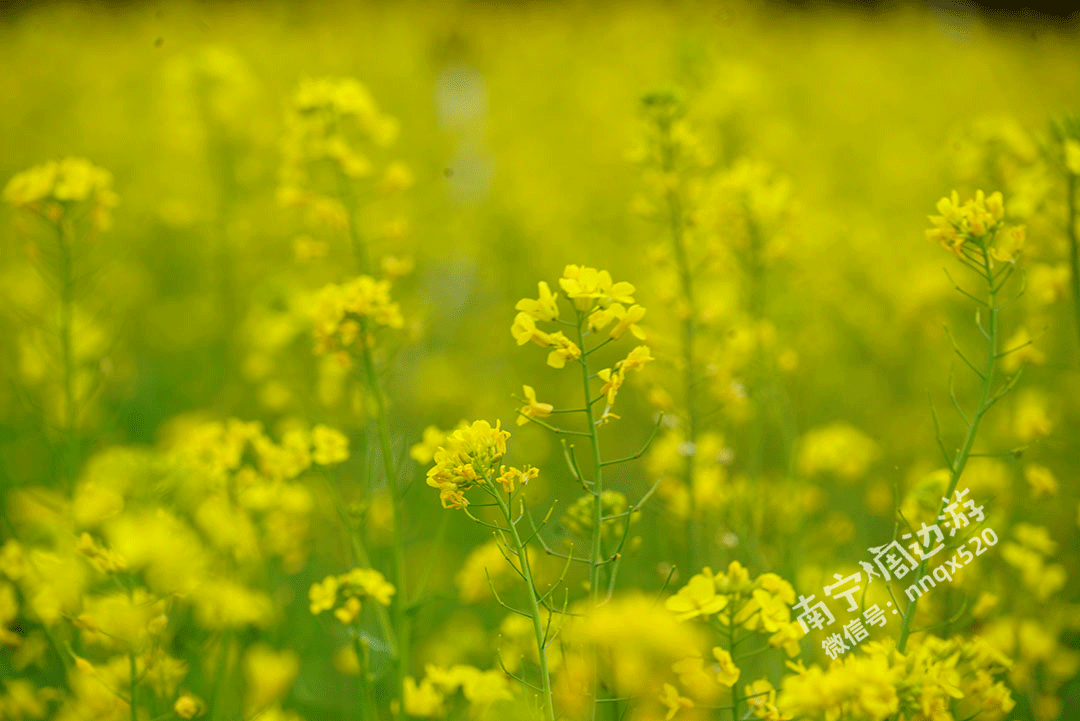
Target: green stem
961,458
360,553
1074,249
595,553
534,607
689,324
67,297
356,236
731,650
134,681
401,621
367,679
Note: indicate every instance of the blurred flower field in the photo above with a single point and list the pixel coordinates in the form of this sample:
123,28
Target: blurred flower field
576,361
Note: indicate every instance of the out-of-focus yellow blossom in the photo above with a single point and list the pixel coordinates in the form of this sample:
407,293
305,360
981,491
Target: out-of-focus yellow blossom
1020,349
323,595
532,408
469,457
12,559
9,610
122,621
102,558
268,676
424,451
481,689
876,681
483,564
423,700
1031,417
638,640
1029,555
55,188
838,449
334,121
330,445
350,313
189,706
1041,480
350,588
578,518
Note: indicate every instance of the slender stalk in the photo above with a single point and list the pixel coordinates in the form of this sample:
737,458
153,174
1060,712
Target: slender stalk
401,620
961,458
1074,249
367,679
134,682
67,301
596,551
534,607
595,554
360,553
676,225
731,649
356,235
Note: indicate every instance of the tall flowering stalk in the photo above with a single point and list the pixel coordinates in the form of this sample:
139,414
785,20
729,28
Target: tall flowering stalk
975,233
470,459
347,320
73,198
1067,132
669,140
603,311
333,127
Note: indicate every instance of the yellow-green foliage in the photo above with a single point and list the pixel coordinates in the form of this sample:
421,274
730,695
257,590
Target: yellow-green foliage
277,441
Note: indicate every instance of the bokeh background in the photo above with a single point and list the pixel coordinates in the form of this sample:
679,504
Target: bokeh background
836,130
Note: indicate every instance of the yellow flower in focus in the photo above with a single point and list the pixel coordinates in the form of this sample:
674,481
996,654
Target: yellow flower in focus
533,409
972,220
509,478
544,308
524,330
628,320
329,445
589,286
612,383
469,456
728,672
635,359
697,598
564,350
